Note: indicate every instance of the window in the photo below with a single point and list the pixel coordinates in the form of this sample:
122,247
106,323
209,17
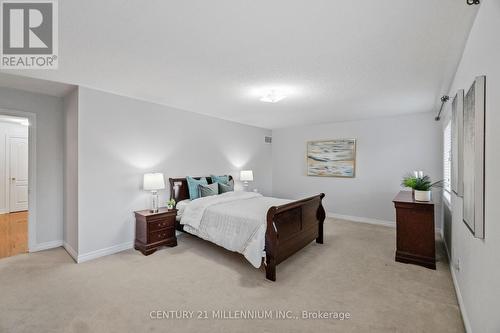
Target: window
447,162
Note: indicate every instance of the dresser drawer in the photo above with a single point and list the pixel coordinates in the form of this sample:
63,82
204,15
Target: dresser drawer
160,235
158,224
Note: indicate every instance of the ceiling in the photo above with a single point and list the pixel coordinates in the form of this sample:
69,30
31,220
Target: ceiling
341,60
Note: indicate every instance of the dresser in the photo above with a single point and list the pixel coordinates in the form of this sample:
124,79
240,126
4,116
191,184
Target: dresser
154,230
415,233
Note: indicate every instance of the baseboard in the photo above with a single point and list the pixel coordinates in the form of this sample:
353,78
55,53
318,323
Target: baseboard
46,246
362,219
461,304
369,220
71,251
104,252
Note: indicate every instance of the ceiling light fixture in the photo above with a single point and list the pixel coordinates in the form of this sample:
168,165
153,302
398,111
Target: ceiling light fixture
272,96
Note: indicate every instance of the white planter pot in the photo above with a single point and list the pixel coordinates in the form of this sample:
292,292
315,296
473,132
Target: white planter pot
422,195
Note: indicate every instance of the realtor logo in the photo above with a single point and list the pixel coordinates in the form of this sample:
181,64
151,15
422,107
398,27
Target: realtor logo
29,34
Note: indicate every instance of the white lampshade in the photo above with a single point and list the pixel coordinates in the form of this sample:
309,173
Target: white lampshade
246,175
153,182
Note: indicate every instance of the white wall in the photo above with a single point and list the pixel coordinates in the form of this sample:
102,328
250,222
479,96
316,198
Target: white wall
387,148
49,159
70,106
120,139
478,278
7,130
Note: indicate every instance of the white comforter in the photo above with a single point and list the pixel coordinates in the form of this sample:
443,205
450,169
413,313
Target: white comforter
233,220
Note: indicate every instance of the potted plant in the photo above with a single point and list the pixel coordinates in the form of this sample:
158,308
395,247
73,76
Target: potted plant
171,204
420,184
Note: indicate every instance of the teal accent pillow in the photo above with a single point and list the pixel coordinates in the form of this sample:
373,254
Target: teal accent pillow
220,179
223,188
193,186
208,190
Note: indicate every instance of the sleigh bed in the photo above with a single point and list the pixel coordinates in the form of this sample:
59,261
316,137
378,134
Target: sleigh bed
285,228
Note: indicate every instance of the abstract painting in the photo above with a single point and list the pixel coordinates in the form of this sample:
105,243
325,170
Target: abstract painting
473,158
331,158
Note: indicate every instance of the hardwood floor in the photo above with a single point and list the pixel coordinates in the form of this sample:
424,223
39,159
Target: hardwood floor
13,234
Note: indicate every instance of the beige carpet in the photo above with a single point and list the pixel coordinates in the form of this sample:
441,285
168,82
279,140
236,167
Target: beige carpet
354,271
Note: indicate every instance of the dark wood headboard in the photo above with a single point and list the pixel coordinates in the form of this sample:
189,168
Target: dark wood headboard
179,188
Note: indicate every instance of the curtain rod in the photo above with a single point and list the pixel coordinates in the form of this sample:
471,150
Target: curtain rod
444,99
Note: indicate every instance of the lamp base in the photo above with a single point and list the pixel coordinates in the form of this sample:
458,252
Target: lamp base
154,202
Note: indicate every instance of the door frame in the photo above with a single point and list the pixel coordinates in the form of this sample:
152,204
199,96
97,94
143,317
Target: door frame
32,241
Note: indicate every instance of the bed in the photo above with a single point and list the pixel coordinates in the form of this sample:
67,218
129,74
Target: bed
251,224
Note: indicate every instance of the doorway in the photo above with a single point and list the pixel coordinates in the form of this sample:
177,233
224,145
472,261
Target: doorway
14,185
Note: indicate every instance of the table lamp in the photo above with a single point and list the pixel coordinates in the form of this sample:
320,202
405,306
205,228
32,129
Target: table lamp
246,176
154,182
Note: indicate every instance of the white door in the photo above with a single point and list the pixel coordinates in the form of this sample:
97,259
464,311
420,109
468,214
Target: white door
18,174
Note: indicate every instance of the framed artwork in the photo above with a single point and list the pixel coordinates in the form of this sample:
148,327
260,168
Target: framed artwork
457,140
331,158
473,157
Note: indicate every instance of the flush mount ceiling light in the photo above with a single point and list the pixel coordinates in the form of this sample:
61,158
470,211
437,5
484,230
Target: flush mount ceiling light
273,92
272,96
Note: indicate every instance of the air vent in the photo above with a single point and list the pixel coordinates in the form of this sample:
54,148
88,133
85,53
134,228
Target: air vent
268,139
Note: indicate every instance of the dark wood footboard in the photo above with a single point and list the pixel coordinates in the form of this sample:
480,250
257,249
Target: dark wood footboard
290,227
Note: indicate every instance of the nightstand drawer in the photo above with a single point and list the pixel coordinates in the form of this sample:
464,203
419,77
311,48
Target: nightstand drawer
158,224
160,235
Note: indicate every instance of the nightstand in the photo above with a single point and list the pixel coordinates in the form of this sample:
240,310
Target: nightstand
154,230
